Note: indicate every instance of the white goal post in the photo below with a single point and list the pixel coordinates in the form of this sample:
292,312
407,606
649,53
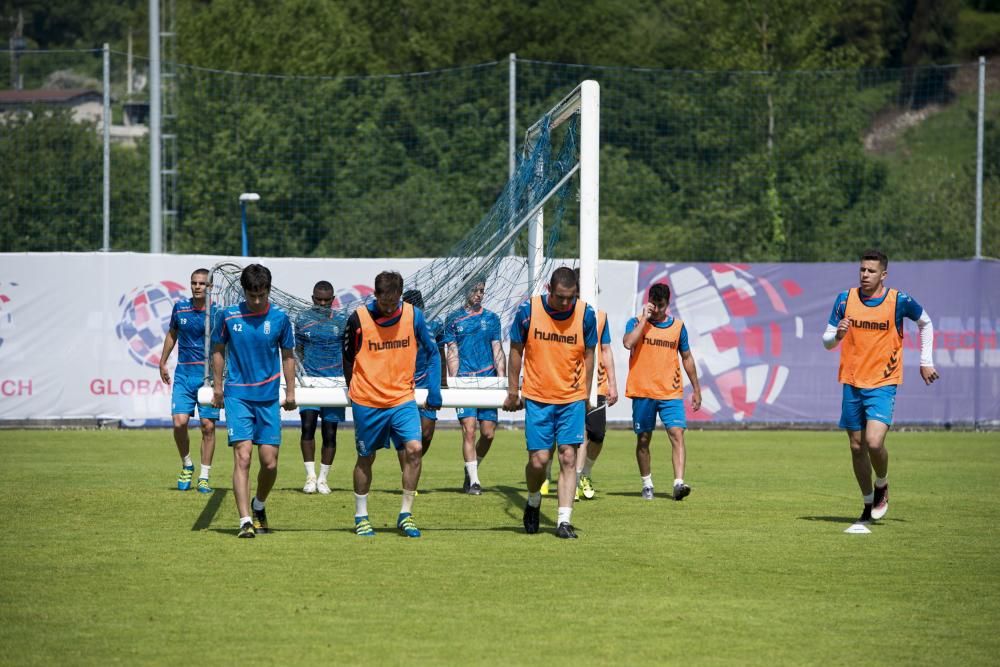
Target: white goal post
465,392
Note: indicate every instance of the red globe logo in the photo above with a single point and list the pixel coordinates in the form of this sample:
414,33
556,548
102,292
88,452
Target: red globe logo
737,324
145,319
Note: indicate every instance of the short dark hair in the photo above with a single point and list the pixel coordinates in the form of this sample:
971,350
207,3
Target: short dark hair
197,271
255,278
388,282
877,255
414,298
323,286
565,277
659,292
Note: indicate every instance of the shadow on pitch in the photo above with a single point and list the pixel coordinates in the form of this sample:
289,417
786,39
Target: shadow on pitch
207,515
847,519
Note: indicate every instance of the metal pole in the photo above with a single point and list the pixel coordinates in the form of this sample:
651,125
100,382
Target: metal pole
155,195
979,157
106,247
243,228
512,116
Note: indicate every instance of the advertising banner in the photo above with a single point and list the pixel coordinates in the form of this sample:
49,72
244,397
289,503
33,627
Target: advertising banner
81,334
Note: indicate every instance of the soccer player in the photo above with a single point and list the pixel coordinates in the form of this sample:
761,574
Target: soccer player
380,357
553,336
187,331
472,344
252,333
867,322
655,340
421,377
597,417
318,332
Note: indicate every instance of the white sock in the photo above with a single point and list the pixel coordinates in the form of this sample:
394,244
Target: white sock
535,499
869,499
187,462
310,468
324,470
245,519
256,504
472,468
880,482
360,505
647,482
564,515
588,465
408,497
204,471
678,480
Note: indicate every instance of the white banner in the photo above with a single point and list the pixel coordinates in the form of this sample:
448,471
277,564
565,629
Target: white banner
81,334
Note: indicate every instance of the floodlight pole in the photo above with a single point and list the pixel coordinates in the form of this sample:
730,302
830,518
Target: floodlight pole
155,191
244,198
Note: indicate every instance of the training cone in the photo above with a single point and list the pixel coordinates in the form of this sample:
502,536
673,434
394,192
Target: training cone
858,529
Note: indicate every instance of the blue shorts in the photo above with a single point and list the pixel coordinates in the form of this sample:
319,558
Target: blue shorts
375,427
644,411
859,406
335,415
482,414
258,421
429,414
547,424
184,397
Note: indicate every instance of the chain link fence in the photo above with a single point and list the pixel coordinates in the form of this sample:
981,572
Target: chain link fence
695,166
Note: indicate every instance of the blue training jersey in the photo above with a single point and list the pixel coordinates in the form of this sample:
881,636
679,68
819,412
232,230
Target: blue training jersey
318,331
253,342
519,327
682,343
906,307
188,323
473,334
421,377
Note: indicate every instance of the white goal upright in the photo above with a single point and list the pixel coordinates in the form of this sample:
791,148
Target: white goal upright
509,251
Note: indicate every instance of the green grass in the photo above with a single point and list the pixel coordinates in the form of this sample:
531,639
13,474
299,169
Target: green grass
103,562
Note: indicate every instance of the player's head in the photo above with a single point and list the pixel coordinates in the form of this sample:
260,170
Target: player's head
474,295
562,288
199,283
388,290
873,269
414,297
322,296
256,283
659,296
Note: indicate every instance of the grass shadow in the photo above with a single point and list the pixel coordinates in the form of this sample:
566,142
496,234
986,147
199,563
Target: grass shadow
211,508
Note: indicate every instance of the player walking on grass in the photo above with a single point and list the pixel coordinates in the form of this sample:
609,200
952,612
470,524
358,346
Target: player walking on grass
655,341
421,376
380,355
867,322
187,332
473,348
318,334
553,336
258,339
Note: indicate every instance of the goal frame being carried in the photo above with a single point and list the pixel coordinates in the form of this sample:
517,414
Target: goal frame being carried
491,392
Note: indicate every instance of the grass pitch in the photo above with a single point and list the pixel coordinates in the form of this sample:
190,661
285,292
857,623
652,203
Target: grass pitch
103,561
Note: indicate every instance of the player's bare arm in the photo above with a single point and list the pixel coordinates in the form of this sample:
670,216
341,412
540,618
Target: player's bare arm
608,357
218,363
691,368
588,361
513,401
635,335
451,355
288,369
168,346
499,360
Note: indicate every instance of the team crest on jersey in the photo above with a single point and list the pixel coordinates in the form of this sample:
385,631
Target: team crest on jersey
267,327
